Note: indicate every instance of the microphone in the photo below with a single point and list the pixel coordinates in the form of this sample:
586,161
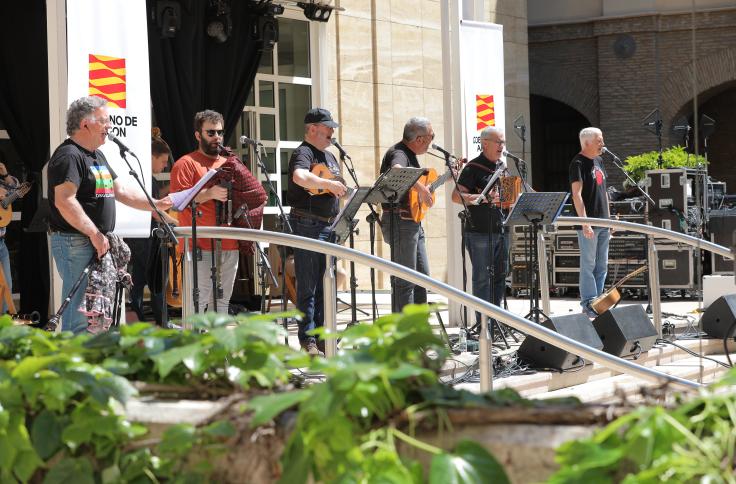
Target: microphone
120,144
336,144
606,150
513,157
244,140
443,151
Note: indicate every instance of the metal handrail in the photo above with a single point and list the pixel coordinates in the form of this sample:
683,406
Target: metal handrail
648,230
652,258
452,293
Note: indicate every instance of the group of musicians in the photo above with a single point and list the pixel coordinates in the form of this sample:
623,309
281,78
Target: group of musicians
314,202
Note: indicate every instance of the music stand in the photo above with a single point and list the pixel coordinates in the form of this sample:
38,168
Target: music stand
389,188
342,229
535,209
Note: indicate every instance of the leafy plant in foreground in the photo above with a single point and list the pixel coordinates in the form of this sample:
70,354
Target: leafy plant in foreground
346,430
693,442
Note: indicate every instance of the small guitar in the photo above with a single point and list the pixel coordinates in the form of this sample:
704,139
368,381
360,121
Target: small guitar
417,209
323,171
611,297
6,210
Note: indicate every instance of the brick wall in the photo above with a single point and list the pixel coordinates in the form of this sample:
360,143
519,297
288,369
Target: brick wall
576,64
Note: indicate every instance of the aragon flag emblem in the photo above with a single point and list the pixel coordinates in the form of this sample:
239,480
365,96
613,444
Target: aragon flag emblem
107,79
485,111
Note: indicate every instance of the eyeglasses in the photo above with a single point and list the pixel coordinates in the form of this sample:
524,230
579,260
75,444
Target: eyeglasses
497,141
104,120
430,136
213,132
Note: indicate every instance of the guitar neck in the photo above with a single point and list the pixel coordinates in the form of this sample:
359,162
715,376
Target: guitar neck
440,181
629,276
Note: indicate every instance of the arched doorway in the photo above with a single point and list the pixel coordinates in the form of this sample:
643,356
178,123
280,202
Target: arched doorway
554,134
719,104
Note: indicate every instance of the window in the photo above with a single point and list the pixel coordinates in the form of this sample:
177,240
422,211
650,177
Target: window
280,97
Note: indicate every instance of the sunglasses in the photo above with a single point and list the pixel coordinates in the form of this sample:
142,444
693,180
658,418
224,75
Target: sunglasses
213,132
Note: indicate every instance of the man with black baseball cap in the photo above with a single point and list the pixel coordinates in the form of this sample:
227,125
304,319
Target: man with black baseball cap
314,205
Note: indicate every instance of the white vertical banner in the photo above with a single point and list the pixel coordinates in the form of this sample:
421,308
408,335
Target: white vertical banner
107,51
482,81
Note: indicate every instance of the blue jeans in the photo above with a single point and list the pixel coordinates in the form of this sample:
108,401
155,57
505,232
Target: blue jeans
481,255
5,260
72,253
409,250
310,269
593,264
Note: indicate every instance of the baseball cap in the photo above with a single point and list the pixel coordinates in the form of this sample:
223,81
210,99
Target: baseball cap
320,116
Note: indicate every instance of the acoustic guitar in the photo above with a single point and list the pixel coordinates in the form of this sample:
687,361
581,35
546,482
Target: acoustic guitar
417,209
6,210
323,171
611,297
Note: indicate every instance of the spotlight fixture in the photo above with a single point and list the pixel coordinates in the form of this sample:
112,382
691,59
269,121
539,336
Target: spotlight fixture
168,17
316,11
219,22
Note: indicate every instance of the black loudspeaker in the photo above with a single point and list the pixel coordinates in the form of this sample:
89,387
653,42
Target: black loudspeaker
626,331
545,355
718,319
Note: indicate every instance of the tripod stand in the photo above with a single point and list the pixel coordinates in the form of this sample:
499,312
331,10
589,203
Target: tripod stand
536,209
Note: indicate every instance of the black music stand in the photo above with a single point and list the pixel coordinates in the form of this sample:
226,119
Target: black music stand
389,188
342,229
535,209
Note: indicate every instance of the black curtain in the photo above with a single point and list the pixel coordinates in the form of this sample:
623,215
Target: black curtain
24,109
192,72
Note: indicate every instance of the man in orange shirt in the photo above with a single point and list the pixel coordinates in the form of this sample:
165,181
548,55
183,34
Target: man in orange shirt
209,133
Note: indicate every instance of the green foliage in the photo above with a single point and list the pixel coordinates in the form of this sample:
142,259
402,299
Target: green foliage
693,442
57,394
346,430
674,157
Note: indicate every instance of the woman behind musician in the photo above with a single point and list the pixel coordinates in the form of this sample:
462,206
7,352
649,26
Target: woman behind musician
141,248
7,183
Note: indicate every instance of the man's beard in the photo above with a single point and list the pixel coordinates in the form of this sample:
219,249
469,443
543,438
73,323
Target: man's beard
208,149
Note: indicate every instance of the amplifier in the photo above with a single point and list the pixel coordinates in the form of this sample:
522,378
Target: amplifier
722,226
567,243
618,269
566,278
566,261
627,246
676,267
631,207
518,276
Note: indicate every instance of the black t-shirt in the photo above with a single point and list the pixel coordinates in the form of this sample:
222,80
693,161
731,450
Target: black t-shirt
93,176
399,154
305,156
593,178
475,177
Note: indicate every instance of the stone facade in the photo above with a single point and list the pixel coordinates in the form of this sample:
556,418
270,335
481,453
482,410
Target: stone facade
577,64
385,66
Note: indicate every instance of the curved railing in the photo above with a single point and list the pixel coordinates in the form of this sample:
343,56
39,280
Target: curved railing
452,293
652,261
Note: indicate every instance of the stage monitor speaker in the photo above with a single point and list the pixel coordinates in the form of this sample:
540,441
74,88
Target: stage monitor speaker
718,319
626,331
545,355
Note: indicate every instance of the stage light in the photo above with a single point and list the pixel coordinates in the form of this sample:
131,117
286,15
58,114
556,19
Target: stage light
316,11
168,18
219,24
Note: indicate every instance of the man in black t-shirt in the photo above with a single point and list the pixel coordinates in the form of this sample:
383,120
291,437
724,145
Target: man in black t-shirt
405,236
82,189
484,237
590,199
314,204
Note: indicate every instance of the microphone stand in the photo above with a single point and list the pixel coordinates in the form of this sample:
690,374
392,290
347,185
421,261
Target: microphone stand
264,267
344,157
617,163
285,224
164,231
